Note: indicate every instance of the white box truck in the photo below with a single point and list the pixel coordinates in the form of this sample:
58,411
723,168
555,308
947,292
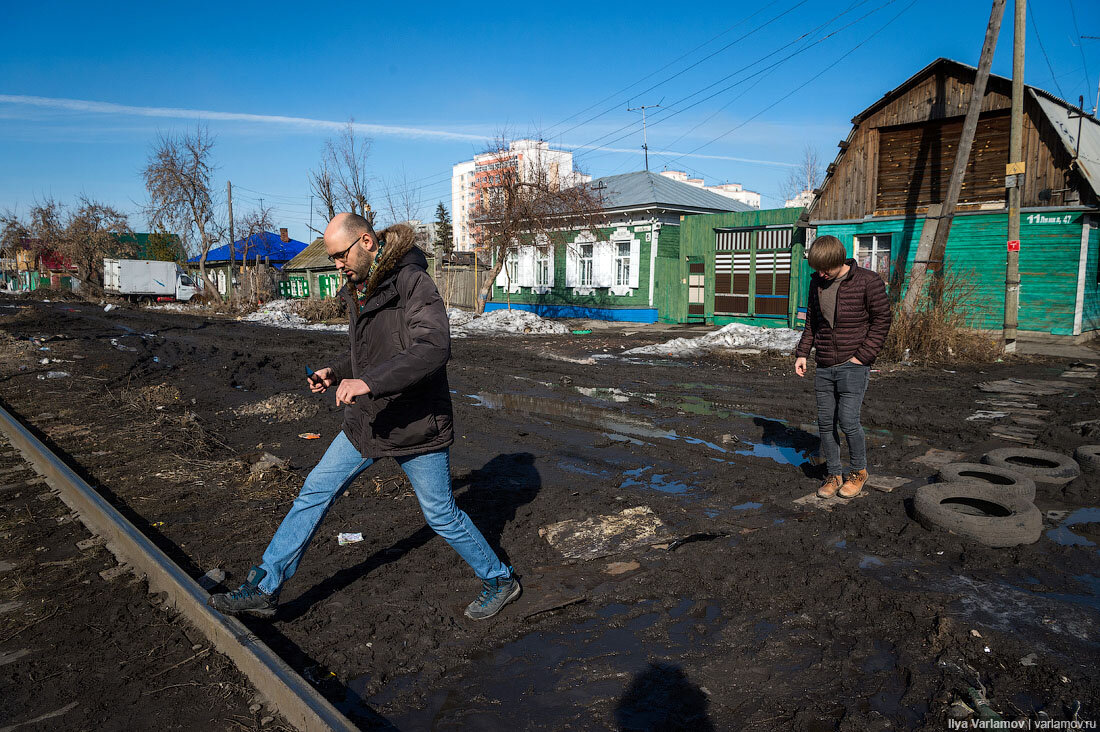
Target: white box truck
147,280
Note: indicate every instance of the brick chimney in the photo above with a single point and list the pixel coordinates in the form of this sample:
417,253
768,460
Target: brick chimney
284,236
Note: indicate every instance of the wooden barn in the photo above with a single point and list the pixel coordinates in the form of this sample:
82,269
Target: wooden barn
896,163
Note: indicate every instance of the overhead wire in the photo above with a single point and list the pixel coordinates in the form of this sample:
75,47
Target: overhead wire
804,84
1035,28
1081,48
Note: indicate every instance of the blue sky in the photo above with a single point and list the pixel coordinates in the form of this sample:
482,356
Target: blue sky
85,88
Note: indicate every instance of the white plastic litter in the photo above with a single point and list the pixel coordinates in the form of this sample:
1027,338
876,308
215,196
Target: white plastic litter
502,322
732,336
345,539
108,308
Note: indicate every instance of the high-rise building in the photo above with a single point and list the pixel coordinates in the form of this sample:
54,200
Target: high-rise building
470,180
736,191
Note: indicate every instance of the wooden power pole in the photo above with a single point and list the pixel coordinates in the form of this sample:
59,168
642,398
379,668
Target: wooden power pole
232,238
932,247
1014,178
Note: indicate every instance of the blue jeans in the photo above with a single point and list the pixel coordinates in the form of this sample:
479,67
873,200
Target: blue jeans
430,475
839,390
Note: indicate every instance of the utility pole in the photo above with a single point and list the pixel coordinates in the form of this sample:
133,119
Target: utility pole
933,239
1014,178
232,240
645,140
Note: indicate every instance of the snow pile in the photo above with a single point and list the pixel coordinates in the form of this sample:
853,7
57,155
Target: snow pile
502,322
176,307
280,314
732,336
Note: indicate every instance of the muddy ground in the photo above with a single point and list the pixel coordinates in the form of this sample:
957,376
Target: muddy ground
770,614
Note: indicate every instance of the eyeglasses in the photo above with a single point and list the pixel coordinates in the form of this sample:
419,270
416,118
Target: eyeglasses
342,256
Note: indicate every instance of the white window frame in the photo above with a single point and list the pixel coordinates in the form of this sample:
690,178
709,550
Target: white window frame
544,264
586,265
876,242
622,264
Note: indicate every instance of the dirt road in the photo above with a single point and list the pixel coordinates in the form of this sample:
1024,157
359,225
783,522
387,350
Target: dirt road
745,609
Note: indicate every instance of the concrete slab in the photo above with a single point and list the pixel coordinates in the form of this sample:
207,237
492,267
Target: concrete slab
937,458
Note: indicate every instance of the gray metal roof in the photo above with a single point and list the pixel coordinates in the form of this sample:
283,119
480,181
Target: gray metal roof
645,189
1088,148
313,256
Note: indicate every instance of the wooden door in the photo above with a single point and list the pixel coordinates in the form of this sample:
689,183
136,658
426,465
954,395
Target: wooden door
697,290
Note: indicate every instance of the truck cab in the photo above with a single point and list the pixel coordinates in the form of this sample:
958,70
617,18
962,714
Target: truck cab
186,288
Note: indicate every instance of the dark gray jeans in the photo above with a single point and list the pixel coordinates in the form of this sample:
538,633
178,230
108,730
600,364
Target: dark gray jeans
839,390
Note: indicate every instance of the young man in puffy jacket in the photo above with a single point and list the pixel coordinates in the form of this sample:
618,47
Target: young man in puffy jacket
398,404
847,319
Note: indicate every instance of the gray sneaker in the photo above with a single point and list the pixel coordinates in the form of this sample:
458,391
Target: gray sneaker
248,598
495,594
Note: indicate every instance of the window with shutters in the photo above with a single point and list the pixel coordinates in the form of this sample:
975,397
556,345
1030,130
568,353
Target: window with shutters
622,264
584,262
511,266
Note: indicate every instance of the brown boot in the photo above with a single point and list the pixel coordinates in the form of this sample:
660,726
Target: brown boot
831,485
853,485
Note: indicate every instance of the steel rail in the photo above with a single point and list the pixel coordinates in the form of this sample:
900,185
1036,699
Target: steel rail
284,690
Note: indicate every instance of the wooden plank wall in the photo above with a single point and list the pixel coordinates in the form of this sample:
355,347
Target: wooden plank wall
939,101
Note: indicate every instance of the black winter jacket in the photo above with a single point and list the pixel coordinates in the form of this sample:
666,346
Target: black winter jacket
400,345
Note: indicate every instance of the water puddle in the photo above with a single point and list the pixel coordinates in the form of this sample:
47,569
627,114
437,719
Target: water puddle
782,454
747,506
869,561
1064,536
655,481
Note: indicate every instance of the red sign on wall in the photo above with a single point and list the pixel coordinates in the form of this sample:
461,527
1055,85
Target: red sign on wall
1014,246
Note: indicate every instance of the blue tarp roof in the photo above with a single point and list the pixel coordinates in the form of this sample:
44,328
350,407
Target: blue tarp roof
265,244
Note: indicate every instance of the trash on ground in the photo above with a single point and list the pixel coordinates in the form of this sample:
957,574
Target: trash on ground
729,337
602,536
108,308
345,539
937,458
310,436
266,462
55,375
986,414
582,332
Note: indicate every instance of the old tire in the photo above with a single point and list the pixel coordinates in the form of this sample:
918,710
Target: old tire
978,511
1009,482
1088,457
1042,466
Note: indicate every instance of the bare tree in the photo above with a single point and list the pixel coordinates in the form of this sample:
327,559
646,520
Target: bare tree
253,227
94,231
341,181
807,176
178,176
526,203
81,237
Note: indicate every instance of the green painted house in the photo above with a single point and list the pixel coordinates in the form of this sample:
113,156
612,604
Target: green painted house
311,274
896,162
610,273
744,267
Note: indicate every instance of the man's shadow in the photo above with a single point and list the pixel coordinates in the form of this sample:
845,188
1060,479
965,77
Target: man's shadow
490,495
662,699
796,446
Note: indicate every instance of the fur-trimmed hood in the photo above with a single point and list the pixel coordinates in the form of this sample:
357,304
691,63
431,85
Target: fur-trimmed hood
399,246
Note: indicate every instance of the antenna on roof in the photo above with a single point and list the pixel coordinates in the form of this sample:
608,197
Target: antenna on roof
645,141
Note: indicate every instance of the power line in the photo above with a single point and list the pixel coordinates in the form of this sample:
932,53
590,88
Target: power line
759,72
804,84
1081,48
1042,48
688,68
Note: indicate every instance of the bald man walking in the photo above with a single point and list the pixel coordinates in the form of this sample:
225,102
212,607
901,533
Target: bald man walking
398,404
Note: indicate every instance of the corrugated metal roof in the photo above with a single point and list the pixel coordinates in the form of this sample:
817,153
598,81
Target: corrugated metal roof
647,189
265,244
313,256
1087,148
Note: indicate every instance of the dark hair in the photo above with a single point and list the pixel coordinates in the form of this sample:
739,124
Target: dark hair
826,253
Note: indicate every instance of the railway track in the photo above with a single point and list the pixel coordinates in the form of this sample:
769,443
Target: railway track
27,466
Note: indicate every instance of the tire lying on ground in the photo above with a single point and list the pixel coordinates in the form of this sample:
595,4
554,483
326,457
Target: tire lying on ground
1009,482
1042,466
978,511
1088,456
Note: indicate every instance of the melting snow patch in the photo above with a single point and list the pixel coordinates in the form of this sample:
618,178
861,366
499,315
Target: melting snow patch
280,313
502,322
734,335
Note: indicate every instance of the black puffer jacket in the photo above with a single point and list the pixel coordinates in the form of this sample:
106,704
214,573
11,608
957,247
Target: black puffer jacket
861,323
400,345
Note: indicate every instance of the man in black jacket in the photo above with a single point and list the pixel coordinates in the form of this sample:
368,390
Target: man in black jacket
398,404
